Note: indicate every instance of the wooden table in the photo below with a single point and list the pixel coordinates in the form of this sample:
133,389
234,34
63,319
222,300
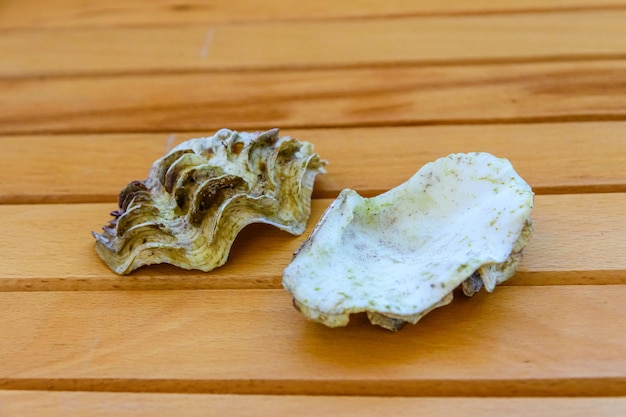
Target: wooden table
92,92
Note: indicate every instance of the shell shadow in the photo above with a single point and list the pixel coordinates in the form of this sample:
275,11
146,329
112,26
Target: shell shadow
452,332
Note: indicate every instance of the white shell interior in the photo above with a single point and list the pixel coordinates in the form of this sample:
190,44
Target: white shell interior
403,252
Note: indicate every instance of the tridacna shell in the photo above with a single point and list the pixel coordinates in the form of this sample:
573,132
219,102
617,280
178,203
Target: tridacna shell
199,196
461,221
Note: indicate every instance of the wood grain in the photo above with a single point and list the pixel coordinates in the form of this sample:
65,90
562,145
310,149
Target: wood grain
318,98
566,35
77,13
553,158
87,404
49,247
93,92
518,341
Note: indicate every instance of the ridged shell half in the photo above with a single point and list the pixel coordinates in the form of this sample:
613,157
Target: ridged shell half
462,220
199,196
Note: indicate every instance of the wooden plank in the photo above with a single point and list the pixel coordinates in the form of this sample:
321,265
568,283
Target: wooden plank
553,158
73,13
314,44
318,98
89,404
578,240
519,341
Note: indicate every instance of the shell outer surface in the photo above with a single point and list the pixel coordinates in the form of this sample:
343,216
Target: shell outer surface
460,221
198,197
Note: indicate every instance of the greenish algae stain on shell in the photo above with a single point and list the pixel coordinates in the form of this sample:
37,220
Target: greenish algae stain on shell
461,221
199,196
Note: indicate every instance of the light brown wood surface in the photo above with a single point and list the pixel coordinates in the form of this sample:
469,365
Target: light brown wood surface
73,13
477,94
552,158
148,405
595,224
317,43
91,93
520,341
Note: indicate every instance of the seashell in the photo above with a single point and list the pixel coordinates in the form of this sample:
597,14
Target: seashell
199,196
461,221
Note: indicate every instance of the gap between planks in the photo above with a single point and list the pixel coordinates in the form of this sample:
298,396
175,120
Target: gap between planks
578,240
